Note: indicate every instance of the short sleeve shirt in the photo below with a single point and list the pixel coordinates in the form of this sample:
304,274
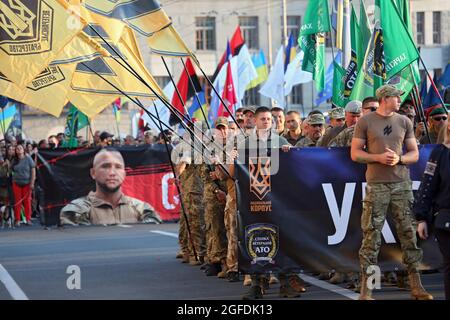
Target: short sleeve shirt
381,132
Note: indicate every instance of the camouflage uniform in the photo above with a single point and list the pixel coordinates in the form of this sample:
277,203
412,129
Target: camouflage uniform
343,139
216,239
306,142
192,196
399,198
231,227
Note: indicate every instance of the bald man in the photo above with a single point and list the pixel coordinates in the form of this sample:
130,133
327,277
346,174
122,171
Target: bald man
107,205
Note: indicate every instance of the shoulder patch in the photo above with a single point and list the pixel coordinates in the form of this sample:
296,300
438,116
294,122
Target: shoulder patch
430,168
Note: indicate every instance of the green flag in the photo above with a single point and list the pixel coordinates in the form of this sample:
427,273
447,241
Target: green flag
76,120
338,86
365,30
356,59
312,40
399,49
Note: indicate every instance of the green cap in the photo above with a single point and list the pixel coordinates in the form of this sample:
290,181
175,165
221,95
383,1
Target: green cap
221,121
316,118
337,113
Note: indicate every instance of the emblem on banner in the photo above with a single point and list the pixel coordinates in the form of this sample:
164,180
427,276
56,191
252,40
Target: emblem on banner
25,29
259,169
48,77
262,241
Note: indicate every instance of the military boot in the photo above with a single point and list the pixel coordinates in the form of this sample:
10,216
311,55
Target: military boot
417,290
185,258
247,280
223,273
273,279
365,292
286,290
296,283
213,269
255,292
337,278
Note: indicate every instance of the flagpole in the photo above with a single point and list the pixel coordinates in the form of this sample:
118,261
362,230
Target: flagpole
220,98
141,105
115,109
176,89
183,209
195,93
420,110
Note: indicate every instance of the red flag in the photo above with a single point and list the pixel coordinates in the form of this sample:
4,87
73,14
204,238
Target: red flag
236,43
228,94
185,88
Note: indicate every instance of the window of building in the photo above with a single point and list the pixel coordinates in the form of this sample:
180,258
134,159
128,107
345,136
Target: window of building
252,97
292,26
249,28
420,27
205,33
437,27
296,95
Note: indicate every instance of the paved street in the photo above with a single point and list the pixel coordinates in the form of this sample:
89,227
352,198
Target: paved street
131,262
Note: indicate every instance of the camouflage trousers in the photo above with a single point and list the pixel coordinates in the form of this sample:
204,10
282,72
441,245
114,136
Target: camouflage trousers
193,203
396,198
216,238
183,238
231,226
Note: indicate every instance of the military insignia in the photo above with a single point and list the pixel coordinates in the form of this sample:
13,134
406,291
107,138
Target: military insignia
259,169
430,168
25,28
262,242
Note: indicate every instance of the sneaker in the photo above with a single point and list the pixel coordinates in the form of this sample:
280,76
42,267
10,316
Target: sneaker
29,223
286,291
255,292
247,280
233,276
16,224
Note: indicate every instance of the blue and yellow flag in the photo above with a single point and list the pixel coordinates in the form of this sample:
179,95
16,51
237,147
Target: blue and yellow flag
32,34
259,61
7,116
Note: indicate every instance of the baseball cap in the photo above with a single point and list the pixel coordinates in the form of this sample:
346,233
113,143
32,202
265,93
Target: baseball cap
104,135
337,113
316,118
249,108
353,106
438,110
221,121
388,90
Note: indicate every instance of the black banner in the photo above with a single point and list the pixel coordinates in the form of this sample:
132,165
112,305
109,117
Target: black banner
307,216
63,175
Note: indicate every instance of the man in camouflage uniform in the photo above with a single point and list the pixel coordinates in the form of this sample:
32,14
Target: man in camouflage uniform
337,118
378,141
188,171
314,131
214,198
352,114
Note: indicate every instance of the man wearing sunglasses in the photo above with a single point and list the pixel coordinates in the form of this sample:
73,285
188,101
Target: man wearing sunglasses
369,104
437,119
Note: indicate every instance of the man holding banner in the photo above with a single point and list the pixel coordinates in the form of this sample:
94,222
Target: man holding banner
378,142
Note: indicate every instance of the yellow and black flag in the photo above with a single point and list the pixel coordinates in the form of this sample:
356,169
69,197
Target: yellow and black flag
147,18
32,34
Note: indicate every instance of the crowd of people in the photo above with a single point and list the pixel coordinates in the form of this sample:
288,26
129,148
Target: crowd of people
208,227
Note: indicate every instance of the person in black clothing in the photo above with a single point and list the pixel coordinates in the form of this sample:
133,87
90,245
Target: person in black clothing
432,202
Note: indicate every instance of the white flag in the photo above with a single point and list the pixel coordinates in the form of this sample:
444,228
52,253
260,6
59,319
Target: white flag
246,72
295,75
274,86
163,111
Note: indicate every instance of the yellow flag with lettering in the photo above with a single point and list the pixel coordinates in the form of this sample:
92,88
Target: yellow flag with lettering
47,92
91,104
32,34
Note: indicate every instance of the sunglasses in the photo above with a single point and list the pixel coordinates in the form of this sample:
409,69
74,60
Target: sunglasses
439,118
373,109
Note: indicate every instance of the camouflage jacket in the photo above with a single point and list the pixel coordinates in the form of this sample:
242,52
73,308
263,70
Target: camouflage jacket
92,210
306,142
343,139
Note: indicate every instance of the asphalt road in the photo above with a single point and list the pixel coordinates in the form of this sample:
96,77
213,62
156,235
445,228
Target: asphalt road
131,262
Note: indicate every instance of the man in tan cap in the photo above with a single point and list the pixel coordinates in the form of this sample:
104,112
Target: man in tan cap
378,142
337,121
353,111
314,132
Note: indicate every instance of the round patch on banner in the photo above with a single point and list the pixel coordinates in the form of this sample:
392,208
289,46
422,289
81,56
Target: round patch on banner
262,242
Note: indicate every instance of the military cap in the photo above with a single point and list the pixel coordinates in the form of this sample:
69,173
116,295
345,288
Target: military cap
388,90
221,121
353,106
316,118
247,109
337,113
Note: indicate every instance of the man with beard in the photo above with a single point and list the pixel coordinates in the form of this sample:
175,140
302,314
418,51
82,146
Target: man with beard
107,205
314,131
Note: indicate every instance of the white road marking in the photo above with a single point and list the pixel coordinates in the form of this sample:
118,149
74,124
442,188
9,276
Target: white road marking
170,234
330,287
124,226
12,287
